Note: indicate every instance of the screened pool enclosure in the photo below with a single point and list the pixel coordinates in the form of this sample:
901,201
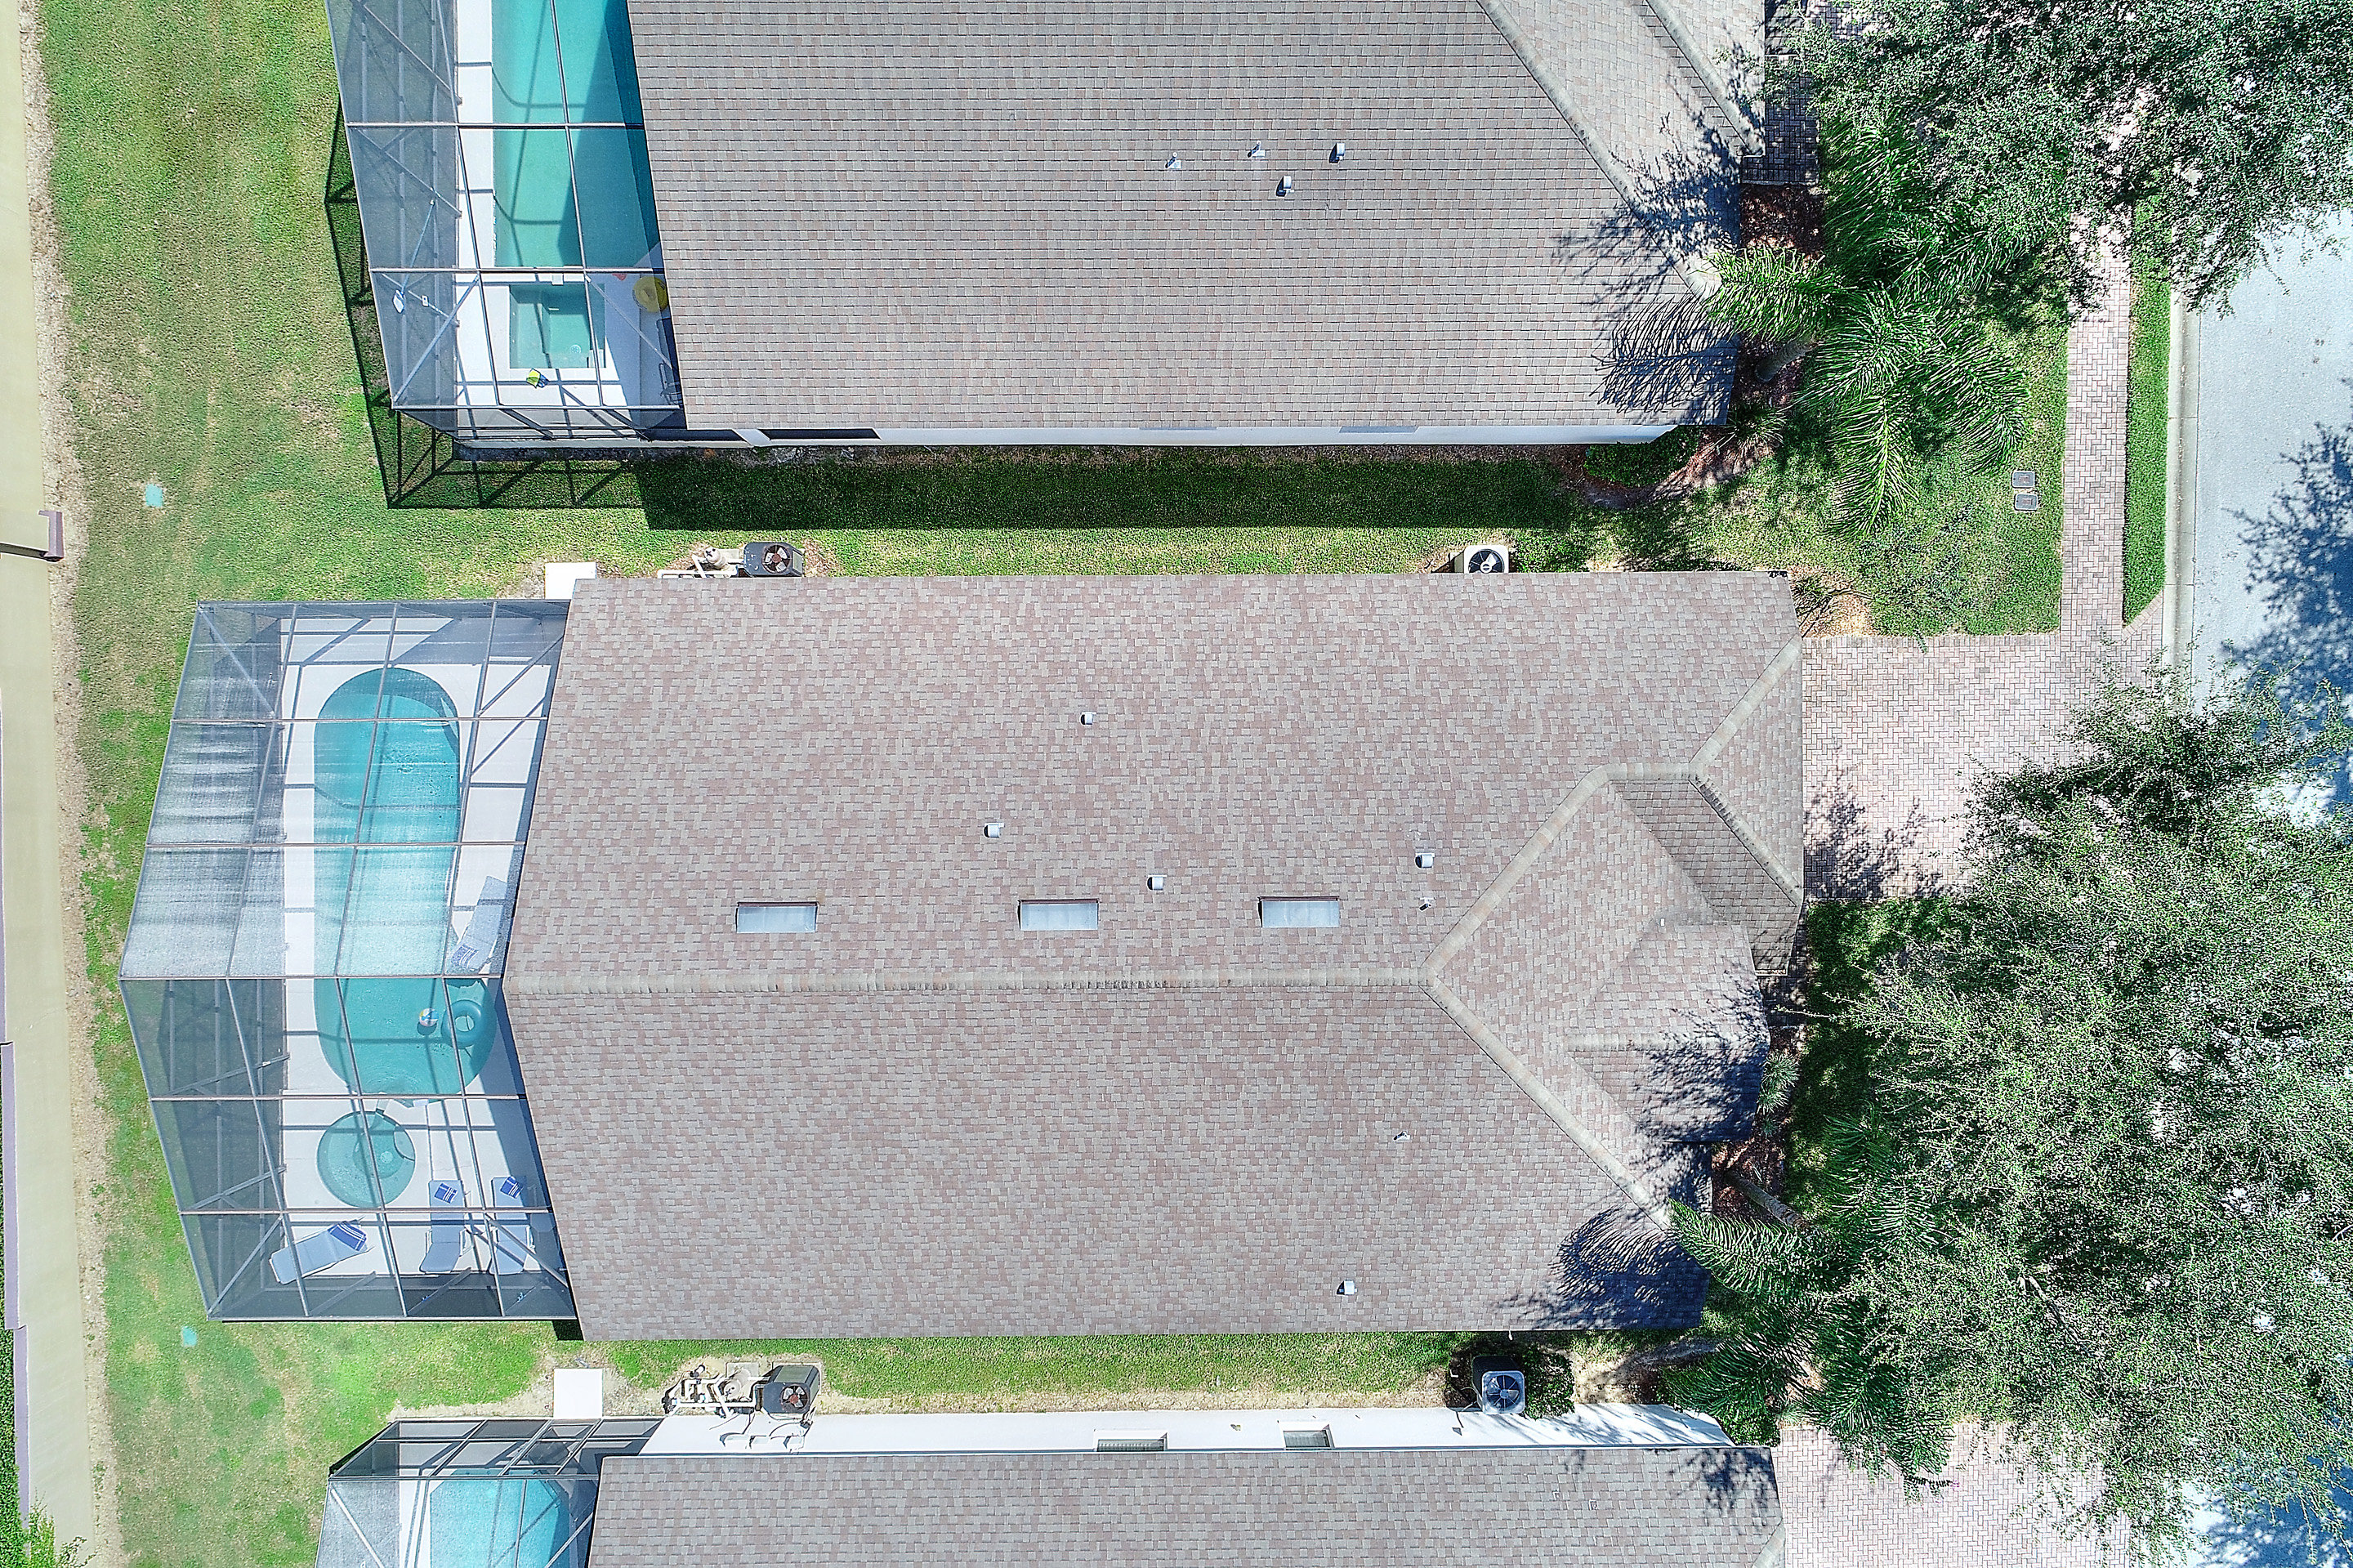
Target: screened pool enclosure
497,151
472,1494
312,968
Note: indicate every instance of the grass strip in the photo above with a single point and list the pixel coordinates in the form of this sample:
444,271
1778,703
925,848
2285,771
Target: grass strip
2146,383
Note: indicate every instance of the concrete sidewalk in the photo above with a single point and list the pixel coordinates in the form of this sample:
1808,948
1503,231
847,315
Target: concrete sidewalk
44,1280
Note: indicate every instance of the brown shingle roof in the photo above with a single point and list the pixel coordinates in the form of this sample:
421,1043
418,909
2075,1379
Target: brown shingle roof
1512,1508
961,216
921,1119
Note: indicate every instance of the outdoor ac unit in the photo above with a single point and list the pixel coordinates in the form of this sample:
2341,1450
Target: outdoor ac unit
1484,559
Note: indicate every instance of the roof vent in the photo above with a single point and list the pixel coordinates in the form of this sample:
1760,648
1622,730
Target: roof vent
992,830
1339,151
1425,860
1283,187
1258,150
1131,1442
1086,718
1174,164
1347,1287
1156,883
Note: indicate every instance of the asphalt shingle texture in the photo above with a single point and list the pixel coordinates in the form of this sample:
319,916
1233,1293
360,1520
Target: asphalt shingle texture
962,217
920,1119
1625,1507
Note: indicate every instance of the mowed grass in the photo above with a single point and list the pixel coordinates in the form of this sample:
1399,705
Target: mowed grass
2147,426
1001,1373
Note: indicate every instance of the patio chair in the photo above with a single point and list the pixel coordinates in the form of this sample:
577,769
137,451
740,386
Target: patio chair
328,1247
448,1233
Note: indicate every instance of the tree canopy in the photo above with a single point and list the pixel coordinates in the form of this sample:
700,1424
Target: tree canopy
2222,124
2097,1180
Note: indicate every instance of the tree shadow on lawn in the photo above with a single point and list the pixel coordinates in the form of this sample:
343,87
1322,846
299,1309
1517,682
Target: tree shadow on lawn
1515,494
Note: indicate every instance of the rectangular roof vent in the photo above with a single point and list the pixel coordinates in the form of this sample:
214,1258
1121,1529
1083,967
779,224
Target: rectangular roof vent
1058,915
1288,913
1130,1442
765,918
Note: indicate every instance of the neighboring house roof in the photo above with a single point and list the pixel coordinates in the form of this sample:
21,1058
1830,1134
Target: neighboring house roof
962,218
919,1118
1586,1508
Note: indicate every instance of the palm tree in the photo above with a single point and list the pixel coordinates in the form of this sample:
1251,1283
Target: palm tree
1901,321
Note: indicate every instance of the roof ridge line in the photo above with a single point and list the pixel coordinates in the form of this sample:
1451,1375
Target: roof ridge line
1748,841
720,982
1558,94
1455,941
1750,701
1791,657
1582,1085
1744,130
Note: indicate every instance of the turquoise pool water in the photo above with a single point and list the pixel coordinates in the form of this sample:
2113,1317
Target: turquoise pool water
568,190
483,1521
391,789
365,1159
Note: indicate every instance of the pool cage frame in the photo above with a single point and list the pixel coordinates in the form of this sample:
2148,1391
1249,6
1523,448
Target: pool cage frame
425,467
259,1008
381,1491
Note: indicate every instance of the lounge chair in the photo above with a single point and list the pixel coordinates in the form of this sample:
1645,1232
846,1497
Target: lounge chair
448,1233
328,1247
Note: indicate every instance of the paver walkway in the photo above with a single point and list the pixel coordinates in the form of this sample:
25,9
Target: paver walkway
1896,731
1980,1514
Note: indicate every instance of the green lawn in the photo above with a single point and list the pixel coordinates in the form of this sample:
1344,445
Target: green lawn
2146,437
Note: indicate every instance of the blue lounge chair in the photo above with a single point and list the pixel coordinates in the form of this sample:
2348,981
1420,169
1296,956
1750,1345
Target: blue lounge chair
330,1246
450,1232
510,1234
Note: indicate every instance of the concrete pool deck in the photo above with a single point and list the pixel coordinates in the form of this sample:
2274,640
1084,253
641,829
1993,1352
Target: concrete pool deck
2268,497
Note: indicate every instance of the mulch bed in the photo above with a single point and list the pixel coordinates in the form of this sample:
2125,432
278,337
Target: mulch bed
1782,214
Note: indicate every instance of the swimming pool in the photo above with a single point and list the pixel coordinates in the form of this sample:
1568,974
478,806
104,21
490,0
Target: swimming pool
485,1522
388,779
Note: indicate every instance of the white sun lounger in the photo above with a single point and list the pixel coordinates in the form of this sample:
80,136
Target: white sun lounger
328,1247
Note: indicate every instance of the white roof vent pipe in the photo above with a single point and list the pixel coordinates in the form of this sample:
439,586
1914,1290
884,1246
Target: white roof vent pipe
1174,164
1258,150
1339,151
1282,187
